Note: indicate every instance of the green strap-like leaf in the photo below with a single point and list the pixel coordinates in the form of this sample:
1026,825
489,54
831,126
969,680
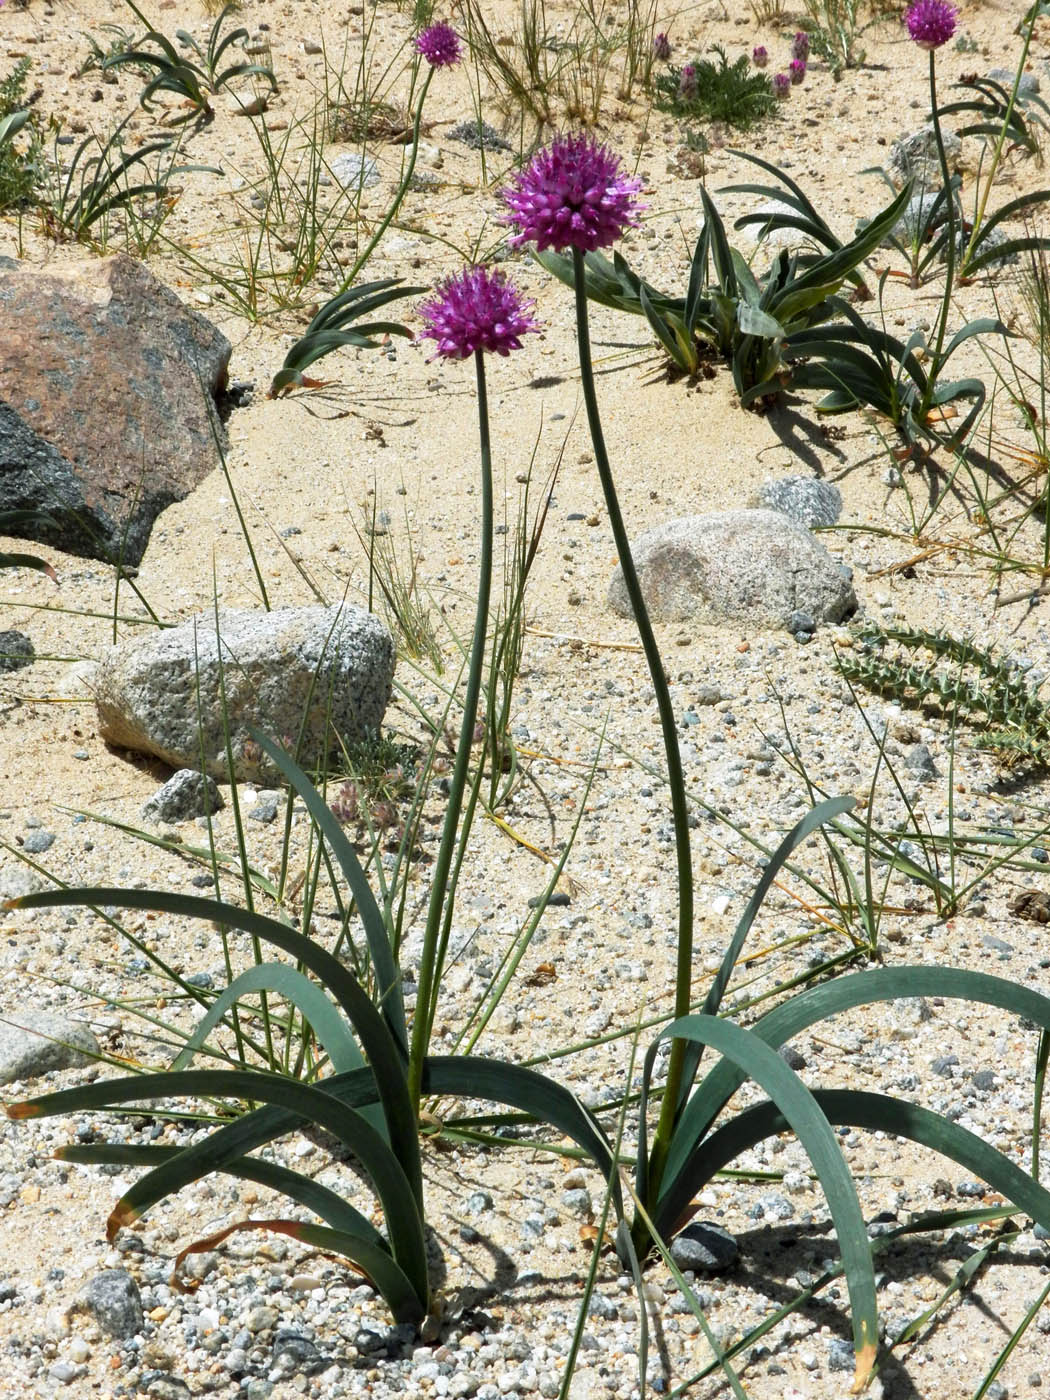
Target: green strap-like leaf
753,1058
400,1202
385,1056
831,999
388,978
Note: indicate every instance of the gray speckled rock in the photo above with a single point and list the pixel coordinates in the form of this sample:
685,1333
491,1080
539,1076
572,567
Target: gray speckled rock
186,794
32,1042
333,665
16,651
916,155
113,1299
751,566
703,1245
803,499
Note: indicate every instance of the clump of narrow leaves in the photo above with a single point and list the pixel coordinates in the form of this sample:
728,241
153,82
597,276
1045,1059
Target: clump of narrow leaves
735,94
173,72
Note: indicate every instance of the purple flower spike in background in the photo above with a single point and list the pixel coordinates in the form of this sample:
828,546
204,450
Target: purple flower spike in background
478,309
781,85
440,45
661,48
797,70
800,46
760,55
931,23
573,194
687,82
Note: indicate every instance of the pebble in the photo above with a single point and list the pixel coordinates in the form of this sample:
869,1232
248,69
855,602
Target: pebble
37,842
704,1246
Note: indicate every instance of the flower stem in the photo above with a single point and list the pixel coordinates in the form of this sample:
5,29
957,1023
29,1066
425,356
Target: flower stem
675,776
442,891
949,256
395,203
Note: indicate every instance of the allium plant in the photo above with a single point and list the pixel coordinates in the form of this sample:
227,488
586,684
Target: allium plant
931,23
440,45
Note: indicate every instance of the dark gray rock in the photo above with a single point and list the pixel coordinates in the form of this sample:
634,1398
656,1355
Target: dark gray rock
186,794
37,842
841,1356
702,1246
107,412
162,1385
16,651
804,499
920,761
113,1299
264,811
333,666
746,566
33,1042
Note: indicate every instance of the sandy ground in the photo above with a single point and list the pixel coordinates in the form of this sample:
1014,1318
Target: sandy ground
397,433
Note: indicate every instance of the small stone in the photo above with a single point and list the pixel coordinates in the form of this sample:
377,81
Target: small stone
162,1385
354,171
37,842
16,651
64,1371
558,900
34,1042
840,1355
265,811
920,761
261,1319
805,500
186,794
704,1246
113,1299
478,135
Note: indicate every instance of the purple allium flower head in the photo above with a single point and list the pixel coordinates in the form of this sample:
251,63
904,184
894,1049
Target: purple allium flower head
800,46
661,48
477,309
781,85
440,46
687,87
760,55
797,70
931,23
573,194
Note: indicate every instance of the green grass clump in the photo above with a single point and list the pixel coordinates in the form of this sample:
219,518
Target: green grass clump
732,93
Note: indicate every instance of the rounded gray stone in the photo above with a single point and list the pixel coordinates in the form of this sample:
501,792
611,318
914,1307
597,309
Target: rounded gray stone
755,567
34,1042
324,673
113,1299
16,651
804,499
703,1246
186,794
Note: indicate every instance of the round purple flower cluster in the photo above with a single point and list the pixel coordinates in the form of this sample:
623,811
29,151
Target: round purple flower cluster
781,85
477,309
797,70
931,23
573,194
440,45
760,55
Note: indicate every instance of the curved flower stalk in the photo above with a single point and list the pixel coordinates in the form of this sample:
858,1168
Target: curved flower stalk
477,311
575,195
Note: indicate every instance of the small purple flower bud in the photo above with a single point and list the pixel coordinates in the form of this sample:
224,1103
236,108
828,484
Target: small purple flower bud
800,46
687,87
661,48
781,85
797,70
440,45
931,23
760,56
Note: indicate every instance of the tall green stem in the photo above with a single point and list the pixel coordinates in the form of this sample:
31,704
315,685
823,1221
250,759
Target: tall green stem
949,256
435,933
675,775
402,189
